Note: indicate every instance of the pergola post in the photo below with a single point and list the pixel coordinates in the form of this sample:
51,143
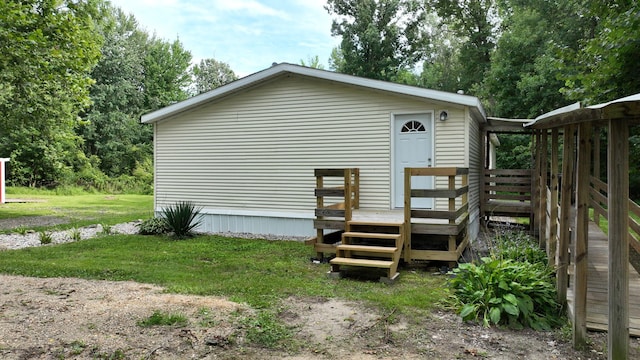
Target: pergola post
618,206
552,243
582,236
565,209
542,187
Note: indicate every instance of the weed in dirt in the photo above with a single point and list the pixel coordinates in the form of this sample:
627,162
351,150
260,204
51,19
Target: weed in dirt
165,319
265,330
206,318
115,355
45,237
77,347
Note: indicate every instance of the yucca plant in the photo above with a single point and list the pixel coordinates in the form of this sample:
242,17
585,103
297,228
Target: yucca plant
182,218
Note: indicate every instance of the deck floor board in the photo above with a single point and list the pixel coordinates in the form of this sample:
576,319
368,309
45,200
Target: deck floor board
597,286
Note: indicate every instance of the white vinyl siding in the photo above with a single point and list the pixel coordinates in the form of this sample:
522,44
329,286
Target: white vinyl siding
475,174
451,146
257,149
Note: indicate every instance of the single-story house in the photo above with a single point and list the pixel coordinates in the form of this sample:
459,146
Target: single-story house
246,151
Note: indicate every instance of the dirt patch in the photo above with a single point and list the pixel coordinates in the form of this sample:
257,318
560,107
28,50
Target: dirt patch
31,221
82,319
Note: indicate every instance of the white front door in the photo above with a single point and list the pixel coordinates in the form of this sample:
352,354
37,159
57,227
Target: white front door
412,147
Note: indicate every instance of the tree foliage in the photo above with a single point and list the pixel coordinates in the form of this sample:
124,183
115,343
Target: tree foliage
381,39
210,74
47,50
473,21
606,65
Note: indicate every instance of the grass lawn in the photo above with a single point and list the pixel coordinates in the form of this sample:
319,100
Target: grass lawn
77,210
258,272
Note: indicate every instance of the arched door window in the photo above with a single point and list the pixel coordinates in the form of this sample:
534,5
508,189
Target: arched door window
413,126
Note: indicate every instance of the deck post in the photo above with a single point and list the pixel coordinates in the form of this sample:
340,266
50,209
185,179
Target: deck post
582,236
407,214
452,209
596,166
542,187
484,149
618,206
536,152
565,213
319,205
552,244
348,196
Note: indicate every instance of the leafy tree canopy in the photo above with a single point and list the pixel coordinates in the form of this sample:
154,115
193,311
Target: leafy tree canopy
210,74
47,50
380,39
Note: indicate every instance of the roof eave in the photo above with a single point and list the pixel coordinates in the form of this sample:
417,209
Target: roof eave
264,75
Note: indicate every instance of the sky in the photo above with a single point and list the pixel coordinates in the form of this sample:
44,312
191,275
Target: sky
249,35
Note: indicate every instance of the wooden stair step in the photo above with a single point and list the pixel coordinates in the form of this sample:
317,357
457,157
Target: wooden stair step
376,223
362,262
365,235
371,249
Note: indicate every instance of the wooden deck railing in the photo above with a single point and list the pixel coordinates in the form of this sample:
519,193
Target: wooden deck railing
347,193
599,201
507,192
457,214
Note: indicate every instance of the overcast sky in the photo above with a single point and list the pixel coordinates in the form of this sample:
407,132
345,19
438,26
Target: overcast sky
249,35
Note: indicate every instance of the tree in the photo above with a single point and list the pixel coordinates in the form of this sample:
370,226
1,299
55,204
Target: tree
312,62
381,39
47,50
606,67
473,22
166,75
442,69
523,80
210,74
137,73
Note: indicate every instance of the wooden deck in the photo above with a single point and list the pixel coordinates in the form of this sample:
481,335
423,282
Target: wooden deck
597,294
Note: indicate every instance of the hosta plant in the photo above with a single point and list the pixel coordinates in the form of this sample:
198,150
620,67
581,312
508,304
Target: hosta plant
507,292
153,226
182,218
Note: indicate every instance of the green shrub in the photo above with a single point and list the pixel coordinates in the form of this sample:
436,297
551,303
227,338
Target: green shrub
153,226
45,237
507,292
518,246
75,234
182,218
22,230
106,229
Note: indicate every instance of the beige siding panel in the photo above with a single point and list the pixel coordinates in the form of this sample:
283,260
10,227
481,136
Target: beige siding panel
450,147
257,149
474,163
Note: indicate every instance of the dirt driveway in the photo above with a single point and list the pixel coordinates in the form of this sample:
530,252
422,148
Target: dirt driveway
81,319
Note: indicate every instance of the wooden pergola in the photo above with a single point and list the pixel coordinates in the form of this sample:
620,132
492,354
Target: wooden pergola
563,200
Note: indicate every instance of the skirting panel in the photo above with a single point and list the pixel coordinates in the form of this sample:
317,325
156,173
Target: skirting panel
257,224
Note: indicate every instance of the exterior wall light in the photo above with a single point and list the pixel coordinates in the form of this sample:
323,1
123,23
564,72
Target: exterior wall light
444,115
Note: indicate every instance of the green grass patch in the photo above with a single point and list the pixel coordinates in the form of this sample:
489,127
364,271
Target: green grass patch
159,318
79,210
260,273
